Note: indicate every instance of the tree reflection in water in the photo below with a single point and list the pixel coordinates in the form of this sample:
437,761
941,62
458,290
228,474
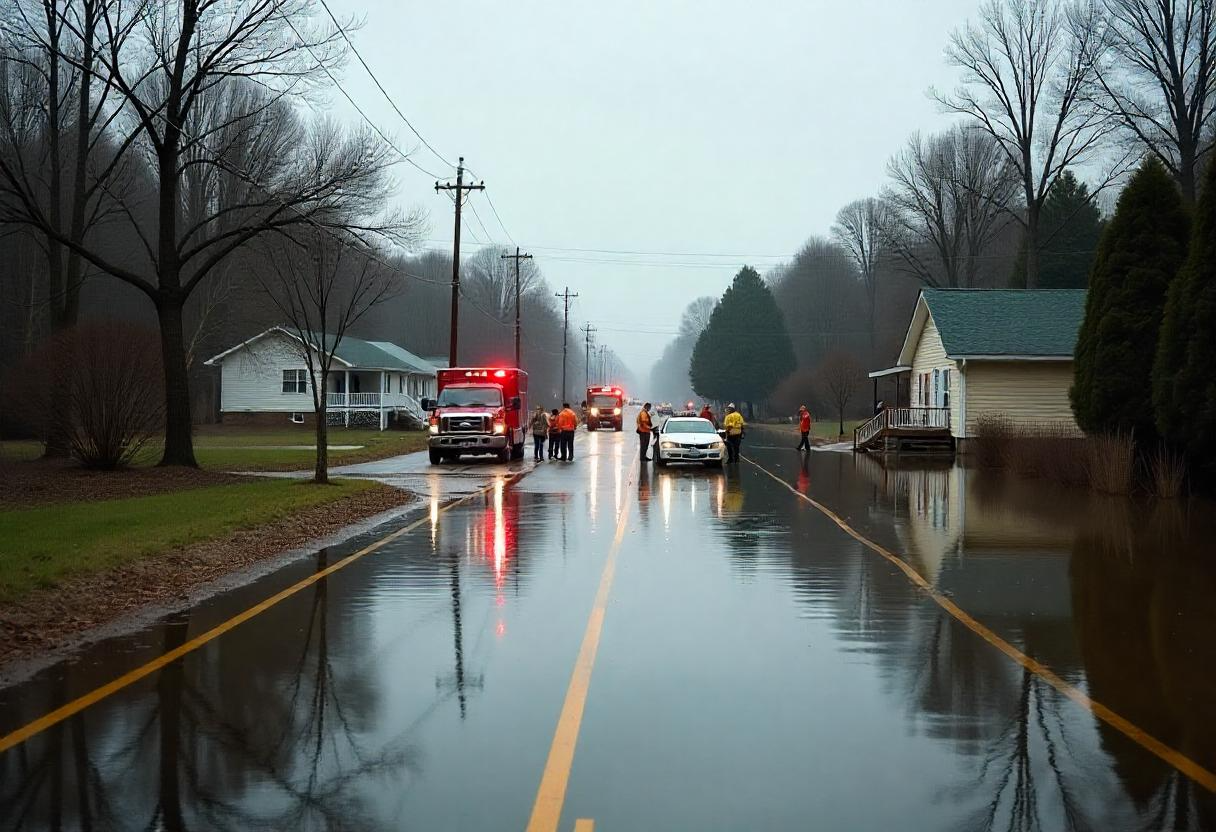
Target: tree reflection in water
282,749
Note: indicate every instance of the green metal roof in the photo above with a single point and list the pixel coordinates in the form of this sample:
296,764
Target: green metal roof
1007,322
376,355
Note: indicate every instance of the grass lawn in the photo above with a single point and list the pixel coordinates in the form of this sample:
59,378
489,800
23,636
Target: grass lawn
19,450
220,448
41,546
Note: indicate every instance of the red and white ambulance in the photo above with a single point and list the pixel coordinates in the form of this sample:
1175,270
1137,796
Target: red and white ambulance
479,410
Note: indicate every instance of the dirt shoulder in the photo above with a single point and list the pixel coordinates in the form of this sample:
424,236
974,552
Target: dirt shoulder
49,618
47,482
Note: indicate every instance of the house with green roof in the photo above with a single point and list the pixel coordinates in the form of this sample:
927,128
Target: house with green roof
265,381
970,353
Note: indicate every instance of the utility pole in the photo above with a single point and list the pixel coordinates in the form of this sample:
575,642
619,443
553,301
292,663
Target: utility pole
588,331
459,188
603,364
516,257
567,296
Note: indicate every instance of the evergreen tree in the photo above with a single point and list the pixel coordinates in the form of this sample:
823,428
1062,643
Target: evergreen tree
1070,227
1184,384
745,351
1140,253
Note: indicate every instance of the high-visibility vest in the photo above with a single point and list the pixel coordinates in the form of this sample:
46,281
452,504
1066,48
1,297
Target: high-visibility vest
643,422
733,423
566,420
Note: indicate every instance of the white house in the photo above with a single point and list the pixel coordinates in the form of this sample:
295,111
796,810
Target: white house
265,381
970,353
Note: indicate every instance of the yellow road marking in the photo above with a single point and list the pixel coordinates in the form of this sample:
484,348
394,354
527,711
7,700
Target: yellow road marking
96,695
584,825
547,810
1147,741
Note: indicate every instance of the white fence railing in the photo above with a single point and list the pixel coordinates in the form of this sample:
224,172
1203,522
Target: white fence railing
373,401
902,418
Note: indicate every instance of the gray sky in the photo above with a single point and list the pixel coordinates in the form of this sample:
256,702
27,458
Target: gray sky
685,127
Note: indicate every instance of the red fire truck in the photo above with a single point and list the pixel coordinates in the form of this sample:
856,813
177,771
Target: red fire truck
480,410
605,406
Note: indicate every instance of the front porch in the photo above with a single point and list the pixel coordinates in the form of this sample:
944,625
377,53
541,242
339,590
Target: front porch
366,398
906,430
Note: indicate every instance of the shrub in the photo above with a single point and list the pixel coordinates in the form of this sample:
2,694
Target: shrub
1111,462
1166,473
992,434
112,401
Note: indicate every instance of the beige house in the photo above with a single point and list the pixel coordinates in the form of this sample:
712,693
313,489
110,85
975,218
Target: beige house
969,353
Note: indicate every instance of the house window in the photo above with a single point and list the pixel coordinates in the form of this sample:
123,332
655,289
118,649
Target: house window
295,381
946,387
297,418
937,388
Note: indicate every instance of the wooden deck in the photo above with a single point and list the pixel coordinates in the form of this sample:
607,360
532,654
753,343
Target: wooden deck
906,430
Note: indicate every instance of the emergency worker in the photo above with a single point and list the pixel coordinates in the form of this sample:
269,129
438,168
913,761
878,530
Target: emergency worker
707,413
804,428
734,425
567,423
645,428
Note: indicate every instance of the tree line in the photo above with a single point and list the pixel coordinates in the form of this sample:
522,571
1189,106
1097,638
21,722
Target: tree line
1057,102
159,159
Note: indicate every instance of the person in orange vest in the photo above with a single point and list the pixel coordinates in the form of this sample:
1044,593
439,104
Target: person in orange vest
567,423
645,428
804,427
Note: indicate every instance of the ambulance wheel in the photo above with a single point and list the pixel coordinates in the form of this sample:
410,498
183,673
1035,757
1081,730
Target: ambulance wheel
436,457
517,451
504,455
617,428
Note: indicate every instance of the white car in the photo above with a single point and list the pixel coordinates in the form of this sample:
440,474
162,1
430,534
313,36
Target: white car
690,439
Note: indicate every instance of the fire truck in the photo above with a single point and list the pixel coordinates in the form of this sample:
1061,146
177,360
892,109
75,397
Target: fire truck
480,410
604,408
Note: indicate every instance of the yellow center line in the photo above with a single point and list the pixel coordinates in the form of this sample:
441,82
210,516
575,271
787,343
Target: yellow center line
1147,741
547,810
584,825
63,712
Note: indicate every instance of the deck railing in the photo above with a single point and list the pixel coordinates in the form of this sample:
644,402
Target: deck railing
373,401
901,418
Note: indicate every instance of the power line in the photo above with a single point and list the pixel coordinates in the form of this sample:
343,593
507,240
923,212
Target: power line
500,222
348,97
380,86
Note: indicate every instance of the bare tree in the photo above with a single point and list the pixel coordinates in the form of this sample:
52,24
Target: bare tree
1026,67
1157,77
840,376
163,62
860,230
948,197
54,125
322,284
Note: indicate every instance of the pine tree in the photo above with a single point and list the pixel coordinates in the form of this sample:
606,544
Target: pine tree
745,351
1140,254
1070,227
1184,383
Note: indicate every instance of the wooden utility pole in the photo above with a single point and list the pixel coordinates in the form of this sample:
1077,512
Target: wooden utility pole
459,188
588,331
566,296
516,257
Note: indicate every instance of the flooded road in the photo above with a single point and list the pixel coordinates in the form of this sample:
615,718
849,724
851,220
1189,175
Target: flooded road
755,666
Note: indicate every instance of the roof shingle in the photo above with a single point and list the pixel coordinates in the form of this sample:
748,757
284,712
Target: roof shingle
1005,322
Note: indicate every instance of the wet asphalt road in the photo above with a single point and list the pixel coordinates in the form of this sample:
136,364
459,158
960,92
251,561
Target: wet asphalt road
757,667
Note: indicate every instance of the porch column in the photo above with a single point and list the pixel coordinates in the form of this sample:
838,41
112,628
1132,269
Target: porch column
346,399
383,393
875,410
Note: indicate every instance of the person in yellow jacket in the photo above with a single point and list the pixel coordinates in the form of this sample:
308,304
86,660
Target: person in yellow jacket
734,425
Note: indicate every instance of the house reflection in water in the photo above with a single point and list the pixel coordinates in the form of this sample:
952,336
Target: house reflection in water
1115,596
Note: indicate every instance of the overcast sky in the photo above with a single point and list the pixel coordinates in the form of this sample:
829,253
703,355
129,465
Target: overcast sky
693,128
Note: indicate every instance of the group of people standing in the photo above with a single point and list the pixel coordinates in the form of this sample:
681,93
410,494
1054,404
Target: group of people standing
732,424
557,428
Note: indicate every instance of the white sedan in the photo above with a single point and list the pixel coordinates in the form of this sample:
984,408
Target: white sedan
690,439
